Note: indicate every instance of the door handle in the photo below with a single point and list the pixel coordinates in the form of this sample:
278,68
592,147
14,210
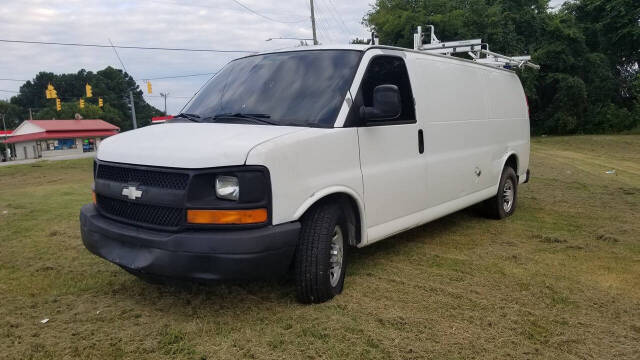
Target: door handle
420,141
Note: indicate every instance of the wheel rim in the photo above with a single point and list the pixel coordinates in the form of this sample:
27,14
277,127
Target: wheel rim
336,256
508,195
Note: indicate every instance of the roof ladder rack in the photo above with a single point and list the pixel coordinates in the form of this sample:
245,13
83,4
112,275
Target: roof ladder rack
475,48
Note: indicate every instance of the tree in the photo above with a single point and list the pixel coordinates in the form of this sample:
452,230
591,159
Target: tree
113,85
611,27
588,52
12,114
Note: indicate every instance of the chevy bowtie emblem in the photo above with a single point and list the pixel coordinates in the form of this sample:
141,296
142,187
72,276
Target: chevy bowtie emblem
131,192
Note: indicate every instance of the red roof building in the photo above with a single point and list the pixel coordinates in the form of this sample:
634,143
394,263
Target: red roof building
4,133
44,138
160,119
55,129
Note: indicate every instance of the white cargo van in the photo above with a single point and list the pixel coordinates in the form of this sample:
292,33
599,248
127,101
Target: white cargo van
285,160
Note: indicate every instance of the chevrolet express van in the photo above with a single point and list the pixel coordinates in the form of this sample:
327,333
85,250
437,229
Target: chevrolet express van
286,160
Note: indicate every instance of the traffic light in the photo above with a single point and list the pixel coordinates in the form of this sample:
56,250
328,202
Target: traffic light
149,87
51,92
81,103
58,105
88,89
100,102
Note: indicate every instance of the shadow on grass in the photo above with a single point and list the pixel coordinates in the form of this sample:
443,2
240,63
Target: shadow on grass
182,295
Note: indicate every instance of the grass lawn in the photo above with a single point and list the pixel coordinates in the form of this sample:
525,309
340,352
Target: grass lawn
560,279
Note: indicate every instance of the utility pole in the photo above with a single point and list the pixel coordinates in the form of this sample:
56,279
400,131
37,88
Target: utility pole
5,128
30,115
313,24
133,110
164,95
6,146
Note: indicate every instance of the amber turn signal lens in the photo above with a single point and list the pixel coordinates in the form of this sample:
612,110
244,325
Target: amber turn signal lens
93,196
217,217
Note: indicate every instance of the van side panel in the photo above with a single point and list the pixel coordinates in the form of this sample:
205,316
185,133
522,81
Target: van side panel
507,105
308,166
473,117
459,138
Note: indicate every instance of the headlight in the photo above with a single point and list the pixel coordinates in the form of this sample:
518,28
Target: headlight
227,187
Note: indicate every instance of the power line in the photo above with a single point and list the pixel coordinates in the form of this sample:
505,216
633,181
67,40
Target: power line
176,76
141,79
324,25
171,96
118,56
10,91
324,9
337,13
245,7
131,101
264,16
324,20
125,47
330,14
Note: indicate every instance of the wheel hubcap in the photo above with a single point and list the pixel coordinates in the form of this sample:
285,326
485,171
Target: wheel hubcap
508,195
336,256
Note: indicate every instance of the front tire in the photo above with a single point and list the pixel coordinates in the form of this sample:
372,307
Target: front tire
320,262
504,203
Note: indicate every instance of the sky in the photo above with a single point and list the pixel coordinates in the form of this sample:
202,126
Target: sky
202,24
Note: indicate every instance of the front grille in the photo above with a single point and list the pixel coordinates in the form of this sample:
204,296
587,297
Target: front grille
126,175
141,213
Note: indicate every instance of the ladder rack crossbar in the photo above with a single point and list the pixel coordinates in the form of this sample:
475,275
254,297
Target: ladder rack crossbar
475,48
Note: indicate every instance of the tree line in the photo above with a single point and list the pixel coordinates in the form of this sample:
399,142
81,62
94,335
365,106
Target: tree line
589,51
111,84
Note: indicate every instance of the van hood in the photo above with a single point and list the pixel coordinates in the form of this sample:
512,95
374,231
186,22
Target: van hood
189,145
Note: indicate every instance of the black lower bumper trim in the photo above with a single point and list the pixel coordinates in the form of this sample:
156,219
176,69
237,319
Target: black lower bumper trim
202,255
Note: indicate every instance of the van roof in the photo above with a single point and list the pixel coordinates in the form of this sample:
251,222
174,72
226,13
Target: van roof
358,47
364,47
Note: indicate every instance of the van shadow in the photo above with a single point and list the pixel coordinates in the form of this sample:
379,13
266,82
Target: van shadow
185,296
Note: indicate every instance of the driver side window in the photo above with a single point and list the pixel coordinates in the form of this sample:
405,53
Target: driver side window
389,70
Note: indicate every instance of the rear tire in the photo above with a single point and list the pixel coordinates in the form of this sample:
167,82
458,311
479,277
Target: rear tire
504,203
321,255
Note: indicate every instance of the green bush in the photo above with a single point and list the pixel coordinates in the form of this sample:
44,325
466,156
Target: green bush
589,81
609,118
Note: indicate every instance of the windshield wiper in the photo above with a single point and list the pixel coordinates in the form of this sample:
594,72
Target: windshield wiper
259,118
192,117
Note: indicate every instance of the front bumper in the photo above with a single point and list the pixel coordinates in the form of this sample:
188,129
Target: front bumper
201,255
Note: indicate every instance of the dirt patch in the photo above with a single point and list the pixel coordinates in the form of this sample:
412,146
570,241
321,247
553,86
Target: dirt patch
607,238
550,239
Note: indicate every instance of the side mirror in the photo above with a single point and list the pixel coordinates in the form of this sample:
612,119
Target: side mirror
386,104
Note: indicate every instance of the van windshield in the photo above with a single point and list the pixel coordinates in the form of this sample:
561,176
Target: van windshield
300,88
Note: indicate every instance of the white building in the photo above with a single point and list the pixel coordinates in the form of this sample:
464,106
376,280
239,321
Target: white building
35,139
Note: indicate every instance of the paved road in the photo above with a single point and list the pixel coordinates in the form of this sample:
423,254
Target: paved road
55,158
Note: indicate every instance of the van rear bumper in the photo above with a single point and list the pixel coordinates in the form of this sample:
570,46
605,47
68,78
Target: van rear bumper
201,255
